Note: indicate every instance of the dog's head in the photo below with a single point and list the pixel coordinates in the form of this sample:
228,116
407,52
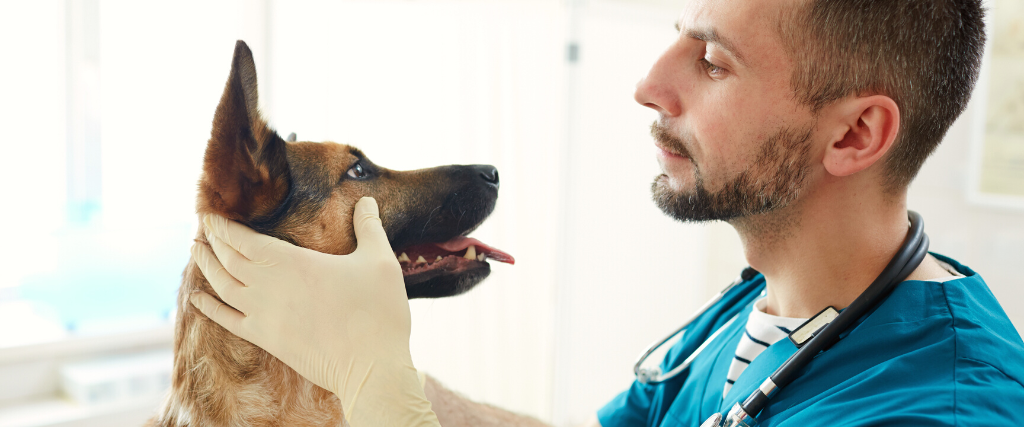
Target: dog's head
304,193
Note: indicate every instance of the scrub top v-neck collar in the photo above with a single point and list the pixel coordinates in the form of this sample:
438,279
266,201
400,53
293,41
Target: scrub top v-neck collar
760,368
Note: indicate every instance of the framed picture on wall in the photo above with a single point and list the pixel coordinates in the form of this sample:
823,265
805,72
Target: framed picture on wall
997,173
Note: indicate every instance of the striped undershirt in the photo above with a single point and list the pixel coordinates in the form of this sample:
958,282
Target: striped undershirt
763,330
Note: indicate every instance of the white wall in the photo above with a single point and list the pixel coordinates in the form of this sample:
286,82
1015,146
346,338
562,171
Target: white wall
443,83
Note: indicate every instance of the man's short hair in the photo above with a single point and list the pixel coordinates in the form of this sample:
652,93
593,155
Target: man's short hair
924,54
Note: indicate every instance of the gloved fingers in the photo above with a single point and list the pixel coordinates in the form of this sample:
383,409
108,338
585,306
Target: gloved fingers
370,235
252,245
238,266
219,312
227,286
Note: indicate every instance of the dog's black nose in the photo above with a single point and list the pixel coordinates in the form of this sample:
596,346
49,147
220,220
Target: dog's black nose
488,173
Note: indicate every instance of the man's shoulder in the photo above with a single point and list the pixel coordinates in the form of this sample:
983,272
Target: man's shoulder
911,373
987,343
968,356
935,353
981,328
904,393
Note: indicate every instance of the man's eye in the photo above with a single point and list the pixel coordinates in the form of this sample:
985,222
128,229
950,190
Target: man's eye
357,171
712,69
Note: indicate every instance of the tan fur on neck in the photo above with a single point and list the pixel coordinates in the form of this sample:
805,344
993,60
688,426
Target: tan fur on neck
222,380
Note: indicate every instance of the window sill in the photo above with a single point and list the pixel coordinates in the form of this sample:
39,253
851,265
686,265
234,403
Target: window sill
30,381
91,345
56,412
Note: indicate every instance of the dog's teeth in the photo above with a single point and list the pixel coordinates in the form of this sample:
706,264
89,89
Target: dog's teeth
470,253
438,258
403,257
481,257
420,260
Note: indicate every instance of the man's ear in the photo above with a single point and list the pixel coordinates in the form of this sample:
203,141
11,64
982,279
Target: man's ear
865,131
245,169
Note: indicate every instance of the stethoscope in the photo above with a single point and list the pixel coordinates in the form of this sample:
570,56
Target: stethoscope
819,333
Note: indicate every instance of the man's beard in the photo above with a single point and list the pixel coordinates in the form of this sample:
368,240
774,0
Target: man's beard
771,182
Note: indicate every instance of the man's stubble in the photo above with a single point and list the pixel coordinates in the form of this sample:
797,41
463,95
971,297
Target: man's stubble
771,182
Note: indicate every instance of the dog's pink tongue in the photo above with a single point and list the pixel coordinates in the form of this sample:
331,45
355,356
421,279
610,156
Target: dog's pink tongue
461,243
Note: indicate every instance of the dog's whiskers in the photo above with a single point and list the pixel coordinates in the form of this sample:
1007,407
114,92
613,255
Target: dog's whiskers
429,217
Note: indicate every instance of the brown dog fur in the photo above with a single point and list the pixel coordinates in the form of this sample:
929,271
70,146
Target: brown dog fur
302,192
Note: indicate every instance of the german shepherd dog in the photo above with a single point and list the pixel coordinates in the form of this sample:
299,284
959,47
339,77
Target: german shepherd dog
304,193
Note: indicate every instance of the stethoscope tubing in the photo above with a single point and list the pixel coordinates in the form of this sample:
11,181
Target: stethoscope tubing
655,376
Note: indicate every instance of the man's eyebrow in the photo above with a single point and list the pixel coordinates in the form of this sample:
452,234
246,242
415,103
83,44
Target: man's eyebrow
710,35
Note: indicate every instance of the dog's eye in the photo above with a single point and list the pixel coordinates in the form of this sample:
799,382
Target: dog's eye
357,171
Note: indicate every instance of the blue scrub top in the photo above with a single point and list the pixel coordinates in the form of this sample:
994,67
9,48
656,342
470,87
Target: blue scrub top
933,354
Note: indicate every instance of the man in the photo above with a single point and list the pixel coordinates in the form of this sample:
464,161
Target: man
799,122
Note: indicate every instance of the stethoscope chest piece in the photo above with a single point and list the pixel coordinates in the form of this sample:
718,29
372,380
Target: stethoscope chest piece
737,418
713,421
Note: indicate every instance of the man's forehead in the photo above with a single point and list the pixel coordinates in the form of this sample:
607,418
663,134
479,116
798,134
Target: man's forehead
740,10
744,27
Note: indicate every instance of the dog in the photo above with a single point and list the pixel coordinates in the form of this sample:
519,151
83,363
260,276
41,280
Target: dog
304,193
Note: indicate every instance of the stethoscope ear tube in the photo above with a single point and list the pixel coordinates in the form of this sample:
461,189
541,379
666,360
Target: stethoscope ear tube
907,259
654,375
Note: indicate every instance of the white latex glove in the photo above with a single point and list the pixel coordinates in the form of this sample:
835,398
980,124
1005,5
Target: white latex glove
342,322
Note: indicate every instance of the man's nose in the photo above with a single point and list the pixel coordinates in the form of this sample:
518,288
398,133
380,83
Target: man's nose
657,90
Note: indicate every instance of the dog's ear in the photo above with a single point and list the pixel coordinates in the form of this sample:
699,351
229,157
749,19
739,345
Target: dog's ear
245,170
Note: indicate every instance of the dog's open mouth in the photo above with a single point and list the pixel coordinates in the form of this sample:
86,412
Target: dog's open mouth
424,262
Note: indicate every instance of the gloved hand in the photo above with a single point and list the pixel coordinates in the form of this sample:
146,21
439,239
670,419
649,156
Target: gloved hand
342,322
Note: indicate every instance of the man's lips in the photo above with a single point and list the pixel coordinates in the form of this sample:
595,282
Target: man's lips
668,153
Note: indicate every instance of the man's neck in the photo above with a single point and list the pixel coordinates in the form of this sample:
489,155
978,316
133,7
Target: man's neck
825,250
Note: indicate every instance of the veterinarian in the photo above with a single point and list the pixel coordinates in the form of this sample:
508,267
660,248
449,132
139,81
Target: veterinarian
799,122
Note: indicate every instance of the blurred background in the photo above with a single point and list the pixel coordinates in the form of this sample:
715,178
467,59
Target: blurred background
107,107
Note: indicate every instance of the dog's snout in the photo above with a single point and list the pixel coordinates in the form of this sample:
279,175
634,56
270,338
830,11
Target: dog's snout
489,174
